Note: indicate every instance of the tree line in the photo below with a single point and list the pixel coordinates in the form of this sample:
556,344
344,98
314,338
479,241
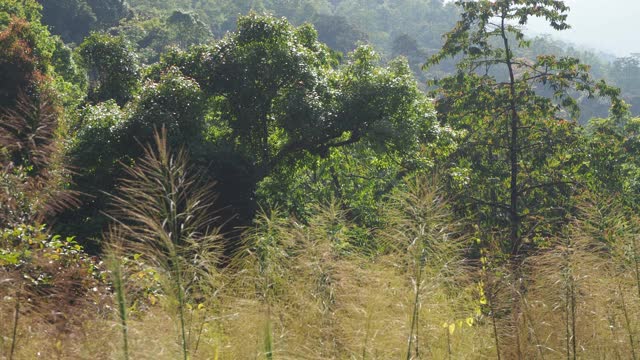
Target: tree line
197,156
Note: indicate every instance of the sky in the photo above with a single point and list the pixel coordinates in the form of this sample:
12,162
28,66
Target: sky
611,26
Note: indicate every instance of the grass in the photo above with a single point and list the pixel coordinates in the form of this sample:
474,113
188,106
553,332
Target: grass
307,291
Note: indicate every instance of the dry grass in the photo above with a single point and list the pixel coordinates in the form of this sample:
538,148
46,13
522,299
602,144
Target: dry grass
304,291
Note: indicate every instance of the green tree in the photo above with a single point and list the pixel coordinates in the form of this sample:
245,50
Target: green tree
279,97
258,103
73,20
518,148
19,70
154,36
612,168
114,72
109,12
338,33
109,137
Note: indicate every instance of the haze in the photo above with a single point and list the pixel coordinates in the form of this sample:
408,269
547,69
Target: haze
610,26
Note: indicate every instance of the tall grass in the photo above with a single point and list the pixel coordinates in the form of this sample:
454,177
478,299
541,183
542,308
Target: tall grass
309,290
165,213
115,266
428,244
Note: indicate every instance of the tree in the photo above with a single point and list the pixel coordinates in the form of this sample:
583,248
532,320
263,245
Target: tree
338,33
30,54
278,95
258,103
73,20
518,148
625,72
114,72
109,137
612,168
19,70
154,36
109,12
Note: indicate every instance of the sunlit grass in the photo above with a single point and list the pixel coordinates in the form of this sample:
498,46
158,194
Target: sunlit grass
307,291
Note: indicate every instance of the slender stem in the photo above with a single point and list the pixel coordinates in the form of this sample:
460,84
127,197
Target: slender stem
527,320
567,320
494,325
202,322
628,324
366,336
181,308
415,316
122,308
574,338
16,317
268,340
448,342
636,263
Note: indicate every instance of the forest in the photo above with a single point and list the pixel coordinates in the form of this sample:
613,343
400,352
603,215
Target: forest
314,179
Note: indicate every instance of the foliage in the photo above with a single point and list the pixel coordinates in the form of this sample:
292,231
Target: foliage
156,36
19,70
50,277
114,72
495,98
338,33
612,165
34,174
73,20
262,101
356,253
108,137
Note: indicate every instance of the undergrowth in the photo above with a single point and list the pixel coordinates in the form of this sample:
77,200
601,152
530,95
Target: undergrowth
433,288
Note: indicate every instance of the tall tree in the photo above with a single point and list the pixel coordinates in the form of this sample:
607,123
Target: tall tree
114,71
256,103
518,146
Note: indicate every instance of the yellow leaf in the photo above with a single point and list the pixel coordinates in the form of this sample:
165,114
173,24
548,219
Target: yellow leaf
452,328
470,321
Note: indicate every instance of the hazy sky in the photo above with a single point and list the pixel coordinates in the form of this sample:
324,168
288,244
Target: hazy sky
608,25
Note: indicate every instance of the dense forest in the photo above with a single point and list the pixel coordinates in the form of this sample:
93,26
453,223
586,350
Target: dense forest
314,179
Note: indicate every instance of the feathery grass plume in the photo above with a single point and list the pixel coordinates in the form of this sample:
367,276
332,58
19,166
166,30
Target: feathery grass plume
621,231
263,273
495,292
605,222
33,173
609,223
165,212
428,247
573,288
302,278
324,264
